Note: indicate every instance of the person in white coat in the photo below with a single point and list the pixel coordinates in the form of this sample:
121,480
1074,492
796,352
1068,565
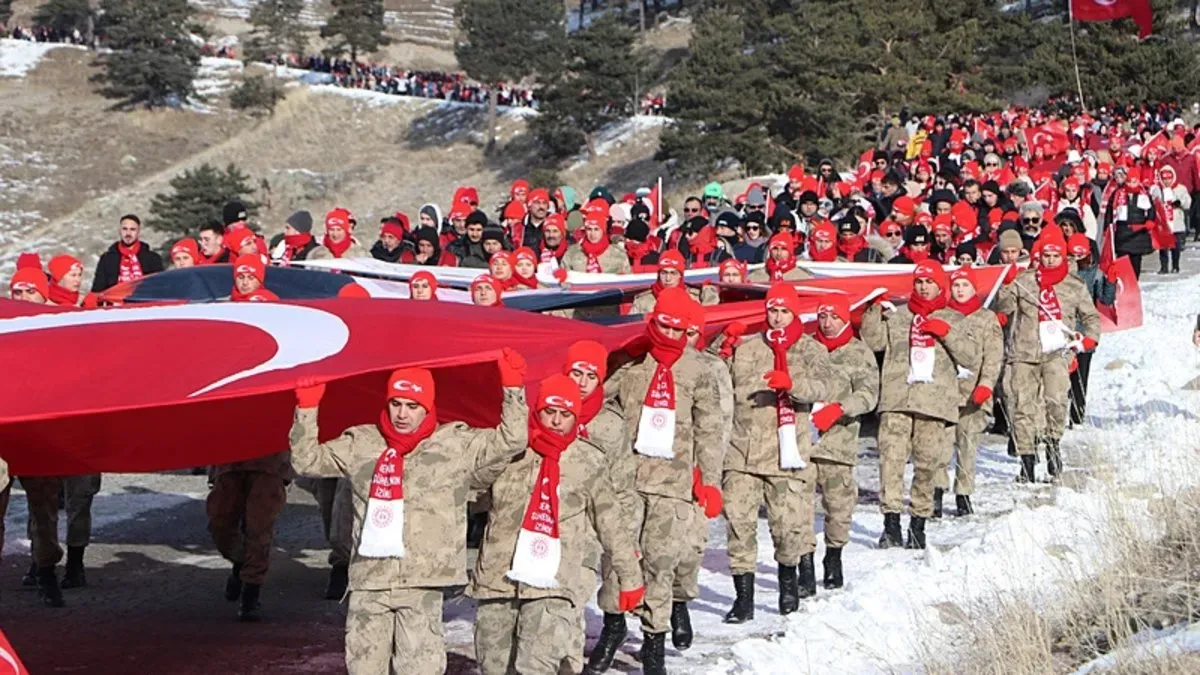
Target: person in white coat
1176,201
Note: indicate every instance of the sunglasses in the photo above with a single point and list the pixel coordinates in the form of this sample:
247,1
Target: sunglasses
691,210
992,166
1032,221
893,235
758,207
753,228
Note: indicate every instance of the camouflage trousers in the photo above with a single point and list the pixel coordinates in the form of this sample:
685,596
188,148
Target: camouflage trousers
573,662
41,494
242,508
666,538
839,496
528,637
789,516
964,446
337,514
610,586
400,628
924,439
687,572
1039,403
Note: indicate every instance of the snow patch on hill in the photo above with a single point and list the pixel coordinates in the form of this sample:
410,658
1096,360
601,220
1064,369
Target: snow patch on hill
18,57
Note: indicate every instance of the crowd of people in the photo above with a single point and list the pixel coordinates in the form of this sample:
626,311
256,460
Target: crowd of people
638,451
46,34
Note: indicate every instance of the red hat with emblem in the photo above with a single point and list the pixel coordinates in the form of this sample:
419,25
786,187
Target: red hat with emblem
414,384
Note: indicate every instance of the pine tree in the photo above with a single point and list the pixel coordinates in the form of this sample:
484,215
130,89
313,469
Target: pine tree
64,16
153,59
357,26
596,86
508,41
257,93
5,11
277,29
197,197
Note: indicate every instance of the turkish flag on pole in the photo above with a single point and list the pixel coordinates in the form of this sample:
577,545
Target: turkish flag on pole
1111,10
1051,137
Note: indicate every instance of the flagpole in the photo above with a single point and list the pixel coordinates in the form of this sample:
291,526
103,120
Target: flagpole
1074,54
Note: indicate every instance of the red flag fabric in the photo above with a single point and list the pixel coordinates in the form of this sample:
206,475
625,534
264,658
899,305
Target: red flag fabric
1158,143
1111,10
1126,310
1108,249
1051,136
862,173
656,219
9,661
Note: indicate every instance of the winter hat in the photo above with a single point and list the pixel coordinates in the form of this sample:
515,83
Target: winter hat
492,233
596,208
837,305
924,219
352,290
849,224
1079,244
904,205
756,197
966,248
619,212
601,192
672,260
487,280
992,187
61,265
1051,239
796,173
524,253
187,246
932,270
783,219
672,306
938,196
252,264
235,240
429,279
414,384
568,196
943,222
782,240
558,391
574,221
809,197
1070,215
755,217
639,211
460,210
727,219
518,184
477,217
428,234
637,230
732,262
1011,239
233,212
916,235
589,356
466,195
514,211
783,294
27,278
967,273
713,190
557,221
339,217
29,260
432,211
888,226
391,226
694,225
538,195
301,221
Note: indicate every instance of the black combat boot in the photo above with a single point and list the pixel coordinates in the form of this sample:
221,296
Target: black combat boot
743,604
74,577
248,610
233,585
789,589
48,589
476,527
654,653
807,584
938,495
891,537
681,626
916,533
611,637
1053,459
963,502
31,577
339,579
833,567
1028,474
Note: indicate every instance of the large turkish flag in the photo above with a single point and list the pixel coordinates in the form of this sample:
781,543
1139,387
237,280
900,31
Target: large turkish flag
1111,10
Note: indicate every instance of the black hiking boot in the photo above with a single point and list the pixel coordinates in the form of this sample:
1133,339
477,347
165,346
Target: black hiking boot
233,585
73,576
808,576
681,626
339,579
31,577
833,568
610,640
248,610
1053,459
938,495
654,653
48,590
743,604
963,502
916,533
789,589
1028,469
891,537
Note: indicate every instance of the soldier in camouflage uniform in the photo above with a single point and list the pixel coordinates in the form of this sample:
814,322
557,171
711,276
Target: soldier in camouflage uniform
675,430
837,450
530,578
922,345
1044,305
976,382
397,574
337,522
776,380
781,262
670,275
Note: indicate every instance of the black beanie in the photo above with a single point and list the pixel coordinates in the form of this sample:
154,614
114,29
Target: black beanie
915,235
639,211
492,233
477,217
637,229
235,212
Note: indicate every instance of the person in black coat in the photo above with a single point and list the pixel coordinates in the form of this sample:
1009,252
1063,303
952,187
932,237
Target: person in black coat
1130,210
128,259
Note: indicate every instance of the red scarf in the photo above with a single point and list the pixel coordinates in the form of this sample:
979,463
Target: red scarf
131,267
61,296
779,340
338,250
852,246
294,243
914,256
922,307
594,251
656,431
260,295
383,527
777,269
965,308
556,253
837,341
590,408
638,250
1049,307
538,552
527,282
828,255
402,444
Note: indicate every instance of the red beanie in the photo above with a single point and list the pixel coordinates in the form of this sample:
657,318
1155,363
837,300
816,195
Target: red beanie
558,391
428,277
29,277
964,216
29,260
964,272
236,239
518,184
824,227
466,195
943,222
782,240
61,265
414,384
514,211
672,306
488,280
672,260
1051,239
904,205
557,221
596,208
589,356
734,263
538,195
251,263
353,290
932,269
783,294
459,210
394,229
835,304
187,246
339,218
1079,244
525,253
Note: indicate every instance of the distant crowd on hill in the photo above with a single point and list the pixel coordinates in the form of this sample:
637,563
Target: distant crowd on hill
46,34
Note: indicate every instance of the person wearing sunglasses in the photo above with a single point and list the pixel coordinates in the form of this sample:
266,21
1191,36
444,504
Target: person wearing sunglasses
693,208
893,237
1032,218
753,240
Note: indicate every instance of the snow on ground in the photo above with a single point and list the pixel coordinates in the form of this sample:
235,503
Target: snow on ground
215,75
1148,645
18,57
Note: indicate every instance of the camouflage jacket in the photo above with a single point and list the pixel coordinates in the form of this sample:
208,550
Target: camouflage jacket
697,424
988,338
1020,300
356,250
724,381
607,432
587,505
439,476
754,446
858,396
612,261
938,399
643,303
761,276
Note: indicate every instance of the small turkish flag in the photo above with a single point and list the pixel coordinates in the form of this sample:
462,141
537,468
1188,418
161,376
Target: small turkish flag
1111,10
9,661
1051,137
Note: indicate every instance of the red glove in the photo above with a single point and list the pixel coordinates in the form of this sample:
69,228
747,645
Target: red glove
90,301
309,392
561,275
1011,275
981,394
1089,344
1073,366
826,417
936,327
1002,319
733,339
779,380
707,496
512,368
630,600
